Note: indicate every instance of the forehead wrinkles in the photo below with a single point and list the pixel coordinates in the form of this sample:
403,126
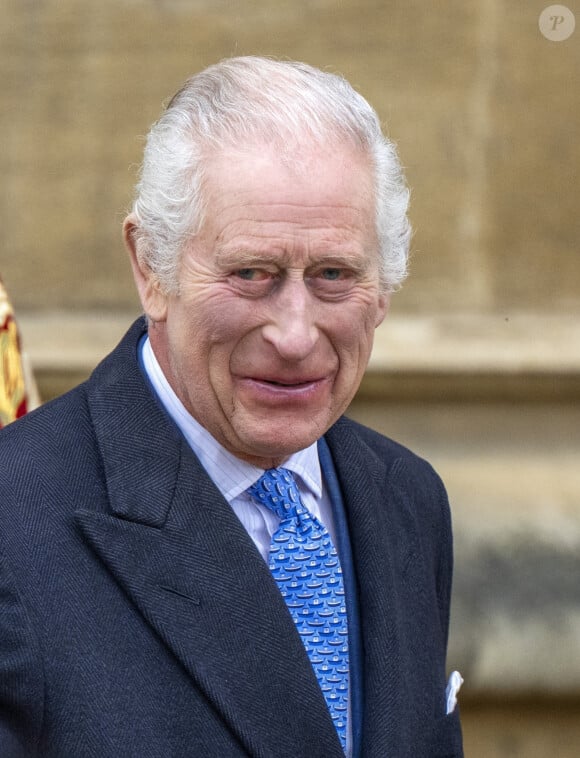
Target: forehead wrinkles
266,221
245,241
242,237
305,212
255,197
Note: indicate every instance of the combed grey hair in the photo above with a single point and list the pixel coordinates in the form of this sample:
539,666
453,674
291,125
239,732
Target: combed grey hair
253,100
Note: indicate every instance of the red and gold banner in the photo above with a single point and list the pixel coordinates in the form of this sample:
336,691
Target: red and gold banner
13,401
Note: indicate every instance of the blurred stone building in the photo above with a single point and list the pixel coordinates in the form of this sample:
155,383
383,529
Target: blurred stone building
478,365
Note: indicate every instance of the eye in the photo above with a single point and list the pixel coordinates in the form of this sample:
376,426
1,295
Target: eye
252,282
332,282
248,274
252,274
331,274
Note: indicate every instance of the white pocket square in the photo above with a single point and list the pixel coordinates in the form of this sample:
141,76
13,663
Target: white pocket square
453,687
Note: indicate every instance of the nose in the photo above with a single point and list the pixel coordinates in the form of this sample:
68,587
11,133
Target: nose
291,328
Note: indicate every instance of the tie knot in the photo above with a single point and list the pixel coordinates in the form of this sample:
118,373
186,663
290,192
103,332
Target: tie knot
277,490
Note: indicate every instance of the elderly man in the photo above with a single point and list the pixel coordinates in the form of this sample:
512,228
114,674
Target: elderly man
200,555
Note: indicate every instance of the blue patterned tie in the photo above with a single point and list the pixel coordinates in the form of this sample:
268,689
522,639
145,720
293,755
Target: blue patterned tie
305,564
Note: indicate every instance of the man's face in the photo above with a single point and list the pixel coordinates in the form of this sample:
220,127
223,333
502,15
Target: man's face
269,335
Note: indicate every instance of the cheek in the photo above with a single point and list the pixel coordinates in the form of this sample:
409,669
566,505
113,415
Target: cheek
229,322
353,341
353,325
225,329
214,317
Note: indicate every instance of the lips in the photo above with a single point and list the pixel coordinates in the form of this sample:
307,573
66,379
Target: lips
285,383
283,389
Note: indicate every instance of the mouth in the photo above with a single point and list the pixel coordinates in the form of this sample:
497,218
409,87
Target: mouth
284,389
279,383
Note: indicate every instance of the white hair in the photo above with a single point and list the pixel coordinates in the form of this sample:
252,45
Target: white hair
251,100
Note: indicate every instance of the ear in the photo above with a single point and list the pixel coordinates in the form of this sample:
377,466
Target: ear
383,307
151,293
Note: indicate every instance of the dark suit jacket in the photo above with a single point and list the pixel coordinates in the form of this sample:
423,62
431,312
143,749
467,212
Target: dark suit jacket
138,619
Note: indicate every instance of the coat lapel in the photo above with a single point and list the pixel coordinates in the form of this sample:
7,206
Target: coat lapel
365,482
182,557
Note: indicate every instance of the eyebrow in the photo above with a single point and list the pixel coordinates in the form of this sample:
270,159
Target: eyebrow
247,258
241,257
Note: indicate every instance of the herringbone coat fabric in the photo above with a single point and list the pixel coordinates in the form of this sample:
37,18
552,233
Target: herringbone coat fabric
137,618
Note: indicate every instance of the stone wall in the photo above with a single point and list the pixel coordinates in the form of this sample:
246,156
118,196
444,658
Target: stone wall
485,111
478,366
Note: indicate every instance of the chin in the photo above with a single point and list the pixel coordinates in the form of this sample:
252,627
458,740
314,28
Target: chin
279,444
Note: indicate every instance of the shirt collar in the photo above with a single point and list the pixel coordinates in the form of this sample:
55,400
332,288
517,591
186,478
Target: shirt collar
230,474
